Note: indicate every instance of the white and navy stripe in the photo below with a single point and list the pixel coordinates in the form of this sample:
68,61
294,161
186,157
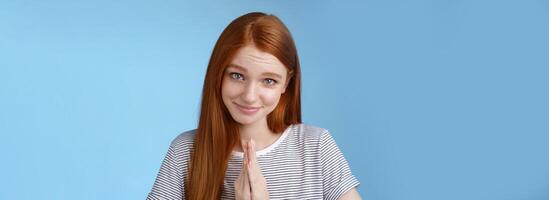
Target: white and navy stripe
304,163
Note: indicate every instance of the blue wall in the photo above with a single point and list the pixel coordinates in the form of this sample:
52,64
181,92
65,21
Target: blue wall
428,100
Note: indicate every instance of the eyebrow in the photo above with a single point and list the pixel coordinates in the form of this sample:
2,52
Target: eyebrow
245,70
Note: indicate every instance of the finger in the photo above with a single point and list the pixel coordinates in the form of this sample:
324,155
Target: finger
245,159
247,189
242,170
257,180
243,145
242,186
253,156
245,166
251,151
239,184
245,153
253,172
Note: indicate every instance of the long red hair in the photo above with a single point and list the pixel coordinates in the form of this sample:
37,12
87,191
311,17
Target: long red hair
217,132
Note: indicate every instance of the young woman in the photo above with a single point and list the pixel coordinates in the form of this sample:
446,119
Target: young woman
250,143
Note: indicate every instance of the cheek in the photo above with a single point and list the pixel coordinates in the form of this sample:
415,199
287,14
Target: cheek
271,97
228,91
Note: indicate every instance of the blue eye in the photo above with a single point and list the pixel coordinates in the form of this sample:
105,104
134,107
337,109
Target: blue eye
270,81
236,76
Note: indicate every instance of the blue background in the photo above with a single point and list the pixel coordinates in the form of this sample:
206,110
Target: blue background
427,99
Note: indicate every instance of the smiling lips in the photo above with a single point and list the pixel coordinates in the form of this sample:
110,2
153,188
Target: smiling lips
247,110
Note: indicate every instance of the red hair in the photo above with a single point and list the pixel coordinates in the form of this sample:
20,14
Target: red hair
217,132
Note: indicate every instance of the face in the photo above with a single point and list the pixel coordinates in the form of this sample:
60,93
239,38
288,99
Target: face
252,85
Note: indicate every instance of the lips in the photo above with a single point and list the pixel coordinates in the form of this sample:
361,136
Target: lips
247,110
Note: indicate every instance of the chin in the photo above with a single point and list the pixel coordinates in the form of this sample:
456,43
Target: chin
245,120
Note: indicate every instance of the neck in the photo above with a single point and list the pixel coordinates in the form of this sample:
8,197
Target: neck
259,132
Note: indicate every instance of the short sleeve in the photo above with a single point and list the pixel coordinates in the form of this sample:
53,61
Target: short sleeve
336,174
169,181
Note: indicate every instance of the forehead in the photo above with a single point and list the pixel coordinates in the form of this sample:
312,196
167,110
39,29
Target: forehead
253,60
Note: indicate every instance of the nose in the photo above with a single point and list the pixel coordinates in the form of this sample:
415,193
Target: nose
249,95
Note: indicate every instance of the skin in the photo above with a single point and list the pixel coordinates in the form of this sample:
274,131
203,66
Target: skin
255,79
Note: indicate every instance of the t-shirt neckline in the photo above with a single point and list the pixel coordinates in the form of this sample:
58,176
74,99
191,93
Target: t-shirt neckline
269,148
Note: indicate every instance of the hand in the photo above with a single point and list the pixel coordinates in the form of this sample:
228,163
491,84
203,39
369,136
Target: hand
242,184
250,184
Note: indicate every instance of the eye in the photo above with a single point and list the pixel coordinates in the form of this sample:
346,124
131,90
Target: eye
236,76
270,81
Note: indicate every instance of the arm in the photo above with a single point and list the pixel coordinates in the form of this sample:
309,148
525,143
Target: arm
350,195
169,181
338,180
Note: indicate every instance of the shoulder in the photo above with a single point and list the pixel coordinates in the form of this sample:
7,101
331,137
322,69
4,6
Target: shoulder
310,132
184,141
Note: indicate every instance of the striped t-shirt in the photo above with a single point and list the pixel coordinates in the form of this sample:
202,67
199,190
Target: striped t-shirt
303,163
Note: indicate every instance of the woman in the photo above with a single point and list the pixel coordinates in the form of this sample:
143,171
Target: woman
250,143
